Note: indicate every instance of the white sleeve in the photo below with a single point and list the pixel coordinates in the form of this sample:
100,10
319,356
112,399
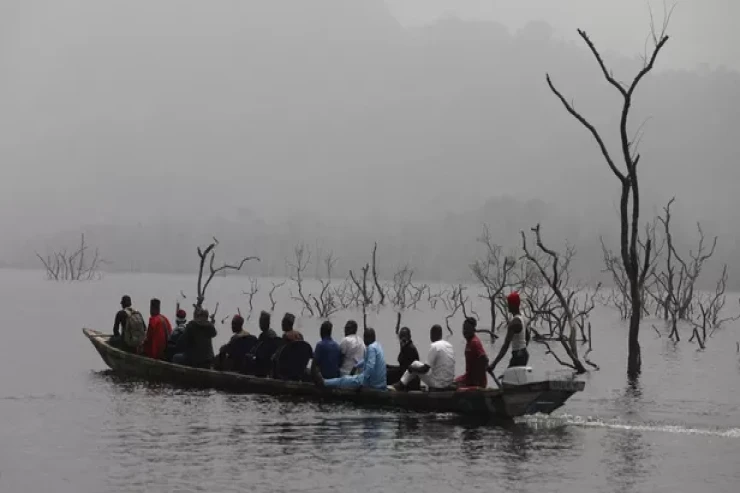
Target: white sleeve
343,346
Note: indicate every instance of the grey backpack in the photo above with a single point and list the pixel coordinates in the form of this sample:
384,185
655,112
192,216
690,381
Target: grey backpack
134,332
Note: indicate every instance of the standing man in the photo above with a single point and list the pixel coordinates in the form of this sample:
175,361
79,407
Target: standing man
157,333
475,358
119,324
517,336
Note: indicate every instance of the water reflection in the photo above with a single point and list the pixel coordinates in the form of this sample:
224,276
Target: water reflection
629,453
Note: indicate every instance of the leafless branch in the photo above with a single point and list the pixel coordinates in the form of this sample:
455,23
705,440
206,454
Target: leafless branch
302,258
213,270
274,288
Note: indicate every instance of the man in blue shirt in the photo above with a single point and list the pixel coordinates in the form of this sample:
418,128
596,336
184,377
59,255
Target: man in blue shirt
327,355
373,373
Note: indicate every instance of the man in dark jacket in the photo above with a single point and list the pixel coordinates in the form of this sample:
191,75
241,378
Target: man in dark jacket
408,353
174,343
197,341
231,350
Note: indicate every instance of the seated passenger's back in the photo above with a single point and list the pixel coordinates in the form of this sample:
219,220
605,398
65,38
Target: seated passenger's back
291,361
233,355
259,360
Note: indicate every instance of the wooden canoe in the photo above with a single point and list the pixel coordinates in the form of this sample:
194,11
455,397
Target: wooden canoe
536,397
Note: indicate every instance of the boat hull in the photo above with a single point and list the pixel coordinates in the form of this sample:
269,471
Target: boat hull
536,397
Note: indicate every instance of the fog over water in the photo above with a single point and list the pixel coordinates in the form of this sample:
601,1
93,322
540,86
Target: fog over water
153,126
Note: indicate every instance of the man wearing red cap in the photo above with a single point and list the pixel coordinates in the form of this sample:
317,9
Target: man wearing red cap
517,336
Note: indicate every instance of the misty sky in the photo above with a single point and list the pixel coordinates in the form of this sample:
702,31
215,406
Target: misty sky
126,111
704,31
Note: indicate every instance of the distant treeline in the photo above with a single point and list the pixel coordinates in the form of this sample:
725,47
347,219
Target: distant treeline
438,250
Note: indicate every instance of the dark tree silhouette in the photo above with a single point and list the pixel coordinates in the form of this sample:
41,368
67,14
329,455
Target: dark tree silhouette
635,269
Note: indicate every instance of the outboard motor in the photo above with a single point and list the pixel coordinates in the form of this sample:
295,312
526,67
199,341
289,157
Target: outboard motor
517,375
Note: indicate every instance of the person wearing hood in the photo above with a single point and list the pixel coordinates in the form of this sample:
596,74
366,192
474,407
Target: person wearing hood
174,344
197,341
265,331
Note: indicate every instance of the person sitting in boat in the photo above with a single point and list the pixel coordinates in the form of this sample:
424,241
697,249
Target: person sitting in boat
197,341
439,370
476,359
289,333
351,348
373,369
408,353
265,331
517,336
157,333
326,355
174,344
233,349
119,323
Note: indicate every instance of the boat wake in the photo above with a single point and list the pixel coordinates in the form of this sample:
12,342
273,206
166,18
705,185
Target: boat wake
544,422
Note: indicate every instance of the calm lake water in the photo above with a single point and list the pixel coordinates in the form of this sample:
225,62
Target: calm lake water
70,426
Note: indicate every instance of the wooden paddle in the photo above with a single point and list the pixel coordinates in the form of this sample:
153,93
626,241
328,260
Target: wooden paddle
490,372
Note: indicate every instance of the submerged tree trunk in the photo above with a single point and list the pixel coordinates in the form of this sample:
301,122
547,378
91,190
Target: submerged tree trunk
634,357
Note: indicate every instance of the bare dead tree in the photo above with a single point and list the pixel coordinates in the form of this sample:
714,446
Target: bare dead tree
302,258
690,272
620,296
496,273
706,312
434,298
416,293
635,270
453,302
254,288
677,281
699,325
210,253
74,266
378,287
271,294
457,301
366,296
327,302
556,272
401,286
347,294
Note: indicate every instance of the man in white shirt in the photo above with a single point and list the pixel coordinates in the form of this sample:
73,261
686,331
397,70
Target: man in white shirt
351,348
439,370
